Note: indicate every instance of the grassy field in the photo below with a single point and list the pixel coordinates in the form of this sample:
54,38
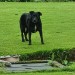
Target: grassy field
58,29
54,73
58,21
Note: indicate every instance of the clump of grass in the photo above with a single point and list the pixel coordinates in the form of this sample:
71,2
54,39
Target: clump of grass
2,70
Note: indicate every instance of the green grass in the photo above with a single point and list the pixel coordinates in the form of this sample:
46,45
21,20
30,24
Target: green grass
54,73
58,27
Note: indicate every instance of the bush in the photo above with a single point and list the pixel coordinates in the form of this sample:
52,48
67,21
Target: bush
25,0
9,0
39,55
2,0
36,0
60,55
72,54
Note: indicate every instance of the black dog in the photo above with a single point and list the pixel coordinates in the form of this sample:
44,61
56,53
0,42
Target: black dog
30,23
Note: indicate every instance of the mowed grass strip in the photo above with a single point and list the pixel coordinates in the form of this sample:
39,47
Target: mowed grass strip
58,21
51,73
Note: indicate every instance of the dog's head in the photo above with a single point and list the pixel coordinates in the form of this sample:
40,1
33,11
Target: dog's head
35,16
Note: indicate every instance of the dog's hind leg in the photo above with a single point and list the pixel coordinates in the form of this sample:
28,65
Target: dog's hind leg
22,37
25,33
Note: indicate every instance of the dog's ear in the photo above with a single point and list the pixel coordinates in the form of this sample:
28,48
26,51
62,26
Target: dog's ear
31,12
40,14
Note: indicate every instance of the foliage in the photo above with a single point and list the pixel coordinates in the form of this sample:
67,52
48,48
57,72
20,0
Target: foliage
60,55
36,0
9,0
2,70
39,55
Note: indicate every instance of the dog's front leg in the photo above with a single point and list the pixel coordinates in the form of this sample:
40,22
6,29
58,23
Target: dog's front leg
29,38
41,36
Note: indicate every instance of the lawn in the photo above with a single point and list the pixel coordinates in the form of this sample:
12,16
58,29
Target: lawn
58,21
54,73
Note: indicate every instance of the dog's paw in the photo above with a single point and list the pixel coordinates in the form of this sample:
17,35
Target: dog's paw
27,40
29,44
23,40
42,43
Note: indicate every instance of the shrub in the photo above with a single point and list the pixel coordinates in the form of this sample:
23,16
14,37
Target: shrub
72,54
9,0
60,55
36,0
42,55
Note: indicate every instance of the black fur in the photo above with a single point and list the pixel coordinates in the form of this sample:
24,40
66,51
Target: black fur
30,23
